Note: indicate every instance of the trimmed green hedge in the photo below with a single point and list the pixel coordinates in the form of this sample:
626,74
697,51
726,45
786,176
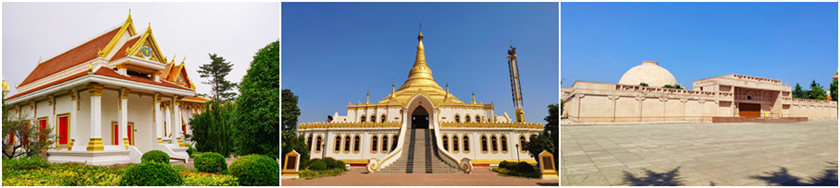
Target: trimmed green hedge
210,162
156,156
151,174
256,170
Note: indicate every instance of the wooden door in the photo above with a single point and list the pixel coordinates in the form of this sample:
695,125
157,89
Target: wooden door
749,110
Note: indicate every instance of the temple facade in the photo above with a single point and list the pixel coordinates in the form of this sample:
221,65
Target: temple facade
421,127
109,100
640,97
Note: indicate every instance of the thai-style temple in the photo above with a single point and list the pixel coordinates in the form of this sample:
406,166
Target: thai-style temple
109,100
421,127
643,95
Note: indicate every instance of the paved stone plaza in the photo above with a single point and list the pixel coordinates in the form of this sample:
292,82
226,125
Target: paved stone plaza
699,153
481,176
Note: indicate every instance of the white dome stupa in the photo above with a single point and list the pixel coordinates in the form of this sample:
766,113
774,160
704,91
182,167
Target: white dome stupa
649,72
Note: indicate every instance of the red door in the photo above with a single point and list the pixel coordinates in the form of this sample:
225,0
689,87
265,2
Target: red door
42,127
26,133
130,134
62,130
115,132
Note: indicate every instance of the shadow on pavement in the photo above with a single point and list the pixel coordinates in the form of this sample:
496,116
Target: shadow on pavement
670,178
782,177
548,184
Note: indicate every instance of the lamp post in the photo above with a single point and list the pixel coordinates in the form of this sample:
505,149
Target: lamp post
323,150
517,153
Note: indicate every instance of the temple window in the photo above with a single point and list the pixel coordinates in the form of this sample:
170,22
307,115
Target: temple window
382,118
467,118
503,142
347,143
356,141
466,143
493,143
455,143
457,118
483,143
63,129
337,143
373,118
445,142
374,143
318,142
309,141
394,142
384,143
477,119
362,119
522,143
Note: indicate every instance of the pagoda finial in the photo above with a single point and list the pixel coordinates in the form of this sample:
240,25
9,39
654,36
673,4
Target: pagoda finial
367,98
447,87
473,98
420,36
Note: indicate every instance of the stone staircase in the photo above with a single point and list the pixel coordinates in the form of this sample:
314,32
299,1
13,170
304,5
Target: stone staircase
419,156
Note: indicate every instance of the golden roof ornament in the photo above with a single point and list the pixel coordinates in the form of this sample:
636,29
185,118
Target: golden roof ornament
473,98
367,98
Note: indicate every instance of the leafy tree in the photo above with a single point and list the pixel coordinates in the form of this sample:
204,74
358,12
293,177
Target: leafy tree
833,88
217,69
257,112
17,131
549,138
677,86
643,84
814,83
817,93
292,141
668,86
798,93
213,129
290,110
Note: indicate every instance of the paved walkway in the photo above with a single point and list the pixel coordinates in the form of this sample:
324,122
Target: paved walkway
357,176
699,154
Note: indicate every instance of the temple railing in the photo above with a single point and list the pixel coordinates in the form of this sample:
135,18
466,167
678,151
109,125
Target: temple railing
322,125
490,125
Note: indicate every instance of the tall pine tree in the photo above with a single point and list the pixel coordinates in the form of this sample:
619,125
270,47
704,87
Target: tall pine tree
797,92
217,69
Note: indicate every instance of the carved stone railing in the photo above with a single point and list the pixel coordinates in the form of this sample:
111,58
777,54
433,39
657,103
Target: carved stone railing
755,78
490,125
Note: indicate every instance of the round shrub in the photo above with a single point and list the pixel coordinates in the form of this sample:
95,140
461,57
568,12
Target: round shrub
330,162
210,162
524,167
156,156
504,164
150,174
317,165
28,163
340,164
256,170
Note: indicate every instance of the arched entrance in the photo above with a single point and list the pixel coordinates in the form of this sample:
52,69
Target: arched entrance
420,118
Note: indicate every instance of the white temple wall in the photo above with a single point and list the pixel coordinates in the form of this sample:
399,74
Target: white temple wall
110,114
604,114
82,120
626,109
140,111
475,152
674,110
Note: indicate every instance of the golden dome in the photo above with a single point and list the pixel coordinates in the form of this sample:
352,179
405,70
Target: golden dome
648,72
420,81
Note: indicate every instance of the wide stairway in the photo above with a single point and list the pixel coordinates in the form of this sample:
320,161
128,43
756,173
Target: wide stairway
419,156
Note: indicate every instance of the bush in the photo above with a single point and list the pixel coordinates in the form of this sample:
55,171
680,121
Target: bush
341,165
256,170
192,178
330,162
156,156
317,165
28,163
66,174
523,167
210,162
151,173
310,174
505,164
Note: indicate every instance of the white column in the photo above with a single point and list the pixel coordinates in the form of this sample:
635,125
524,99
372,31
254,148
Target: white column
95,143
168,120
72,119
179,135
123,127
158,119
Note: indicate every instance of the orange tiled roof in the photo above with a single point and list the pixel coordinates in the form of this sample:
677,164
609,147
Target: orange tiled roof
72,57
47,85
196,98
121,53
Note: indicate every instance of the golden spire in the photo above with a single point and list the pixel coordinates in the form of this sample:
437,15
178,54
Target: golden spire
420,74
473,101
367,98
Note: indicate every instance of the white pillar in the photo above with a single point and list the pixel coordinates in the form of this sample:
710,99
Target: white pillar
74,96
168,121
95,143
158,119
123,127
178,129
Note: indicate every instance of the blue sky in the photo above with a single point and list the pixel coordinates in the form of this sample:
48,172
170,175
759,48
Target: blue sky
333,53
792,42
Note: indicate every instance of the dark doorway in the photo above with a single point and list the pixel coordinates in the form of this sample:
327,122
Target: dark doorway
749,110
420,118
